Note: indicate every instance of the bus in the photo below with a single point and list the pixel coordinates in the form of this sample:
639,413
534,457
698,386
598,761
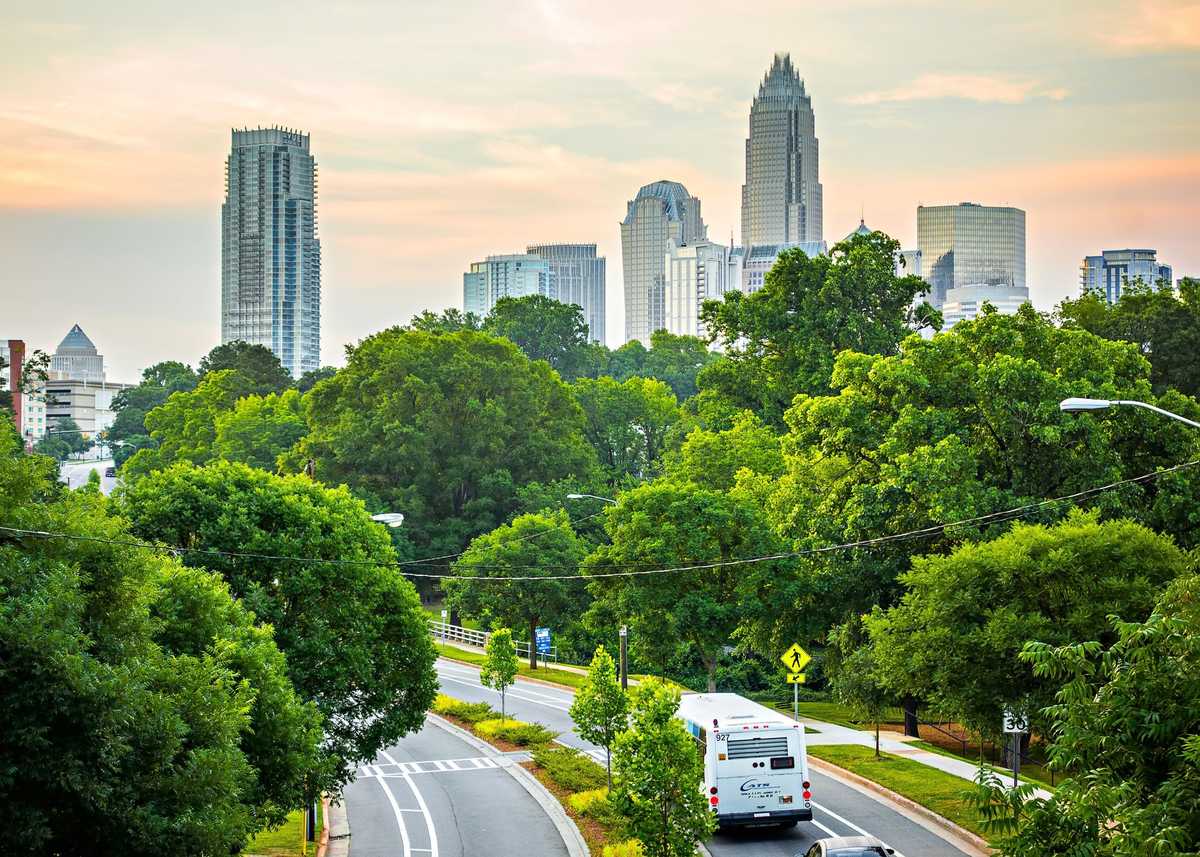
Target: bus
755,764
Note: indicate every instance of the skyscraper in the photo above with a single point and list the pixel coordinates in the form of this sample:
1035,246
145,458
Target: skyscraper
781,199
695,273
578,278
1108,273
663,213
270,253
970,245
511,276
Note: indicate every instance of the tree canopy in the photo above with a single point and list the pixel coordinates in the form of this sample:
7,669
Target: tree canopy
627,423
256,362
258,429
352,628
443,427
544,329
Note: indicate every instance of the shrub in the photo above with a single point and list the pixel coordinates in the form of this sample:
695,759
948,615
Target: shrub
469,712
583,802
569,768
515,732
629,848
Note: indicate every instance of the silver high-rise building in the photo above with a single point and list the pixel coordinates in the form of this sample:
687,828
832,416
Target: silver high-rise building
662,214
270,253
781,199
515,275
970,245
1109,273
578,278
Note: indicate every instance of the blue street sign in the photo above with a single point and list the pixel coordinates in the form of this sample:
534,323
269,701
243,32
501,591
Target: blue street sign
542,638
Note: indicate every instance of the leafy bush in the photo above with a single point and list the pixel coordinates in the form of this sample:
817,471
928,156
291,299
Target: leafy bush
515,732
583,802
569,768
468,712
629,848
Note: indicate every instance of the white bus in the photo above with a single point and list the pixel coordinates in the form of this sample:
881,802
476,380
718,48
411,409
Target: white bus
755,765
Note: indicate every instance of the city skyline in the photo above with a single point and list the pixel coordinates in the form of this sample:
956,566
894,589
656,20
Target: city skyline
434,155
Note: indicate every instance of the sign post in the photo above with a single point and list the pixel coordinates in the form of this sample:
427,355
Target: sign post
624,658
795,659
1015,725
445,628
541,637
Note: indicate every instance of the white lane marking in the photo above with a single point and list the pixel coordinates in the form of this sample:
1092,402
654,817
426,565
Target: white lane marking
509,693
844,821
823,827
526,686
433,841
405,844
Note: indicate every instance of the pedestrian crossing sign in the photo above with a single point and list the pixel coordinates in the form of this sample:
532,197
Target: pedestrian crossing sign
795,659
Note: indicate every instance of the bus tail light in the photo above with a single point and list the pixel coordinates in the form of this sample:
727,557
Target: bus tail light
807,785
713,790
807,795
714,800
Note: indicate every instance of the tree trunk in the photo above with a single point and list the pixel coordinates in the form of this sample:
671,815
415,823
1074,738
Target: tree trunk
710,666
608,765
876,739
911,725
502,705
533,644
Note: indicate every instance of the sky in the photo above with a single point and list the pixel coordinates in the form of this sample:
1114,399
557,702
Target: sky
446,132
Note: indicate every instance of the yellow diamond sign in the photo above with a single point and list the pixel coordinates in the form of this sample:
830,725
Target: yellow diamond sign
795,658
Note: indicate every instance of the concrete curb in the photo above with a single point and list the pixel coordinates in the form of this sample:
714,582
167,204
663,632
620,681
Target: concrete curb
957,836
571,837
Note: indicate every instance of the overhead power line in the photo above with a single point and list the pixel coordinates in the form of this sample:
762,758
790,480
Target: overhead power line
629,571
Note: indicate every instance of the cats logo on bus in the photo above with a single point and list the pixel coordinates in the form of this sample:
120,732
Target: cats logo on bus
752,786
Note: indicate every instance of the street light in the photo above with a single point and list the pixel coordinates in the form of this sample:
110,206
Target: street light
392,519
1075,405
591,497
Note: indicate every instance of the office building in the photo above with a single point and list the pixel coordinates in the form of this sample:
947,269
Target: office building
1109,273
578,277
12,358
512,276
76,357
662,214
967,302
908,264
695,273
970,245
270,253
761,258
781,199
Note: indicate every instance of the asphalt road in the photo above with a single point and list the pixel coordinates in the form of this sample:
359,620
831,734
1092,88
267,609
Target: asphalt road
433,795
75,473
838,809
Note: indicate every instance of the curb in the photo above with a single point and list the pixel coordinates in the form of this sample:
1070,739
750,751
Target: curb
571,837
961,838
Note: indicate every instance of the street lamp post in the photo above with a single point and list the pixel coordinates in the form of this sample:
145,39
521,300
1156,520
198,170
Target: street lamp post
591,497
1075,406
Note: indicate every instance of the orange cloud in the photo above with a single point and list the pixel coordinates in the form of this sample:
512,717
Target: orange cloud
970,87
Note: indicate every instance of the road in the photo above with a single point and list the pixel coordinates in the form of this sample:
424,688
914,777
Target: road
75,473
433,795
838,809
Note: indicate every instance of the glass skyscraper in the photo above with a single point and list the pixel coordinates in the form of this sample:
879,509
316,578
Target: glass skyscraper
663,213
270,253
970,245
1109,273
578,278
515,275
781,199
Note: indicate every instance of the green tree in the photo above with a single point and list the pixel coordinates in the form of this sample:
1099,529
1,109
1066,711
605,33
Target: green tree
955,637
714,458
259,429
256,362
677,360
442,427
1164,324
313,377
499,669
601,709
144,711
627,423
543,328
535,545
351,626
782,339
1127,732
855,677
449,320
128,433
184,428
658,776
63,439
672,525
963,425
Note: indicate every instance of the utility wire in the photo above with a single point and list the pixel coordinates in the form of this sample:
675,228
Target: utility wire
633,571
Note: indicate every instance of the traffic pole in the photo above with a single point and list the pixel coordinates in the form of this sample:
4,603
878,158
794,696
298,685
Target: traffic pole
624,658
796,702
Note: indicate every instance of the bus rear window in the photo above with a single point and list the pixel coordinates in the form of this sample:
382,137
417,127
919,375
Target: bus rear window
782,762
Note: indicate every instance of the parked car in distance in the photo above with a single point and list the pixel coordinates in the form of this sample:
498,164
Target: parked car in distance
850,846
110,472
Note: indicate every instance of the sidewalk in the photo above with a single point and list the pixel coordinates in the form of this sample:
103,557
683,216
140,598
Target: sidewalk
831,733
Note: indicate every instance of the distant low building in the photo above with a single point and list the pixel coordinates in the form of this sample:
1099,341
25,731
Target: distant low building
1109,273
967,302
77,388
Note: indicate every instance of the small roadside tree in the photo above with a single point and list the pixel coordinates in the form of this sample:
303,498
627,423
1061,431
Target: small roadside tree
601,709
499,671
854,678
658,773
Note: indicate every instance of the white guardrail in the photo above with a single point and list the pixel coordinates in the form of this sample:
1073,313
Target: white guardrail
446,633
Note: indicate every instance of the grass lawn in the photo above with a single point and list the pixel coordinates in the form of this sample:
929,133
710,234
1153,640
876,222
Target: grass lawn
933,789
570,679
1029,770
285,841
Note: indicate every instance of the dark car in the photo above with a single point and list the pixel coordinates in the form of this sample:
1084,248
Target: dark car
110,472
850,846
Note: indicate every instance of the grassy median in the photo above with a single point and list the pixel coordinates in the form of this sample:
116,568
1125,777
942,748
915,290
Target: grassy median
933,789
286,840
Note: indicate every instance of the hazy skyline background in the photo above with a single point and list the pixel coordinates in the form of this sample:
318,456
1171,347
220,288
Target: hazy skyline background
447,133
